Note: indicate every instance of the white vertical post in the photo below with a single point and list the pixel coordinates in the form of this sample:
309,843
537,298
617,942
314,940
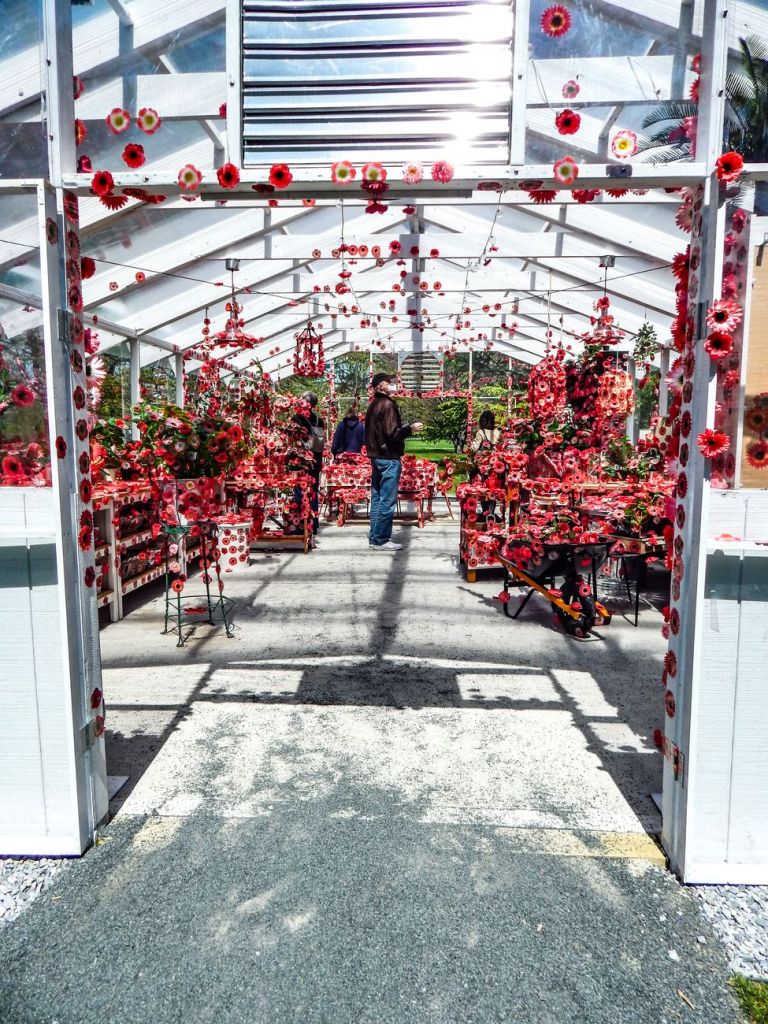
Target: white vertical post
134,346
58,81
234,47
687,702
663,384
178,361
519,99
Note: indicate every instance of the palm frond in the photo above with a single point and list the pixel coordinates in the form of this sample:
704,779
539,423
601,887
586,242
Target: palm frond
675,111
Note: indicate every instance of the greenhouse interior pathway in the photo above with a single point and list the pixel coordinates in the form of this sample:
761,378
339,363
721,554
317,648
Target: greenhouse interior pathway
380,803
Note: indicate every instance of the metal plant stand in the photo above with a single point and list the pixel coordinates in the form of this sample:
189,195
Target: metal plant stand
175,597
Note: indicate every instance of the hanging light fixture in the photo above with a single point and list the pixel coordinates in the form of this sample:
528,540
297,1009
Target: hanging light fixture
309,355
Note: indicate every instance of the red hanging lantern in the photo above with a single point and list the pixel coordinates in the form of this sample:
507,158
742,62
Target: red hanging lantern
309,356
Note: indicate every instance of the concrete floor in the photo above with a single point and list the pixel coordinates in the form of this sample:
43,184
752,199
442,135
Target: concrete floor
381,801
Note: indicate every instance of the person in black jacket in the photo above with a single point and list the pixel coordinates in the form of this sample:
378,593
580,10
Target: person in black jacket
312,433
385,435
349,435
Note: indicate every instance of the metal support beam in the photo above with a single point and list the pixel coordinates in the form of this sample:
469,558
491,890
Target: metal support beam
178,366
60,105
135,370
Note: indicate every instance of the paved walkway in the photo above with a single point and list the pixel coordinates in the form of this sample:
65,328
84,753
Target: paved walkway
381,802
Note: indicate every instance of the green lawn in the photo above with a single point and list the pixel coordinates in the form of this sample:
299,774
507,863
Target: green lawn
437,451
753,996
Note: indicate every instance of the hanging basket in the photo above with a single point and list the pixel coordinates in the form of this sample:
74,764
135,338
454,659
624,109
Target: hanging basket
309,356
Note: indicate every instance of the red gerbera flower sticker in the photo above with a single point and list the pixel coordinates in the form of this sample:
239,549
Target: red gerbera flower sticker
566,170
85,490
87,267
713,442
96,697
556,20
133,155
585,195
190,177
148,120
102,183
719,344
228,176
84,538
81,131
118,120
89,576
280,175
542,195
113,202
61,447
757,454
177,586
23,396
729,166
725,314
568,122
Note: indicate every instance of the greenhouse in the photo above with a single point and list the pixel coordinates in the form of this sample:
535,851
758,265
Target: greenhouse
383,509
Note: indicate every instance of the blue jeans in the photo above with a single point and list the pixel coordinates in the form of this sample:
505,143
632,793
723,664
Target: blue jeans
385,477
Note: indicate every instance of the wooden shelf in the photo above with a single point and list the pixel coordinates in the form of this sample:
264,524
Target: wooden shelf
132,539
141,579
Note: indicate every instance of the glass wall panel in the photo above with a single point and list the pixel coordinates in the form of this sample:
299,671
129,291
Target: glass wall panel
24,444
152,96
605,84
23,152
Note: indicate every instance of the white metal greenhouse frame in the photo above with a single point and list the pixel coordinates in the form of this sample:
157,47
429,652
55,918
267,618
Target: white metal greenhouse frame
715,799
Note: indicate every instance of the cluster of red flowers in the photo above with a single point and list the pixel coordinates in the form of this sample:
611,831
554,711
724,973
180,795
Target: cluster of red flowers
546,388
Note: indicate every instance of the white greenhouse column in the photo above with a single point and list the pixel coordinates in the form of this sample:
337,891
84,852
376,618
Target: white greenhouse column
53,785
178,361
715,793
134,346
60,100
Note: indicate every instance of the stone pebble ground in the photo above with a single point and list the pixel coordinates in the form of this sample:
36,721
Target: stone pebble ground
738,913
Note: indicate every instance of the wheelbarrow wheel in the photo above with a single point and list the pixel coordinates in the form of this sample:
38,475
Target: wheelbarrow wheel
581,626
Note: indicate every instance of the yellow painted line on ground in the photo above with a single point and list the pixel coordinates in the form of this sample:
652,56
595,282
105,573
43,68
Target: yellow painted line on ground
573,843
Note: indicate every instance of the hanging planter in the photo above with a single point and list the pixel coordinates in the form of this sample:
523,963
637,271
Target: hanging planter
309,356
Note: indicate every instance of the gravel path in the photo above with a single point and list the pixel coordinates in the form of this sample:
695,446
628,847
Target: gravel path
21,882
739,917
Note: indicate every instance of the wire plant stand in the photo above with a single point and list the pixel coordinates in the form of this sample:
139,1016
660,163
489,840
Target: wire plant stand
214,608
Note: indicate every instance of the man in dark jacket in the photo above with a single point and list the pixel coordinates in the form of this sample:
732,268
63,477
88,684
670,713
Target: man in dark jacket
349,436
385,435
